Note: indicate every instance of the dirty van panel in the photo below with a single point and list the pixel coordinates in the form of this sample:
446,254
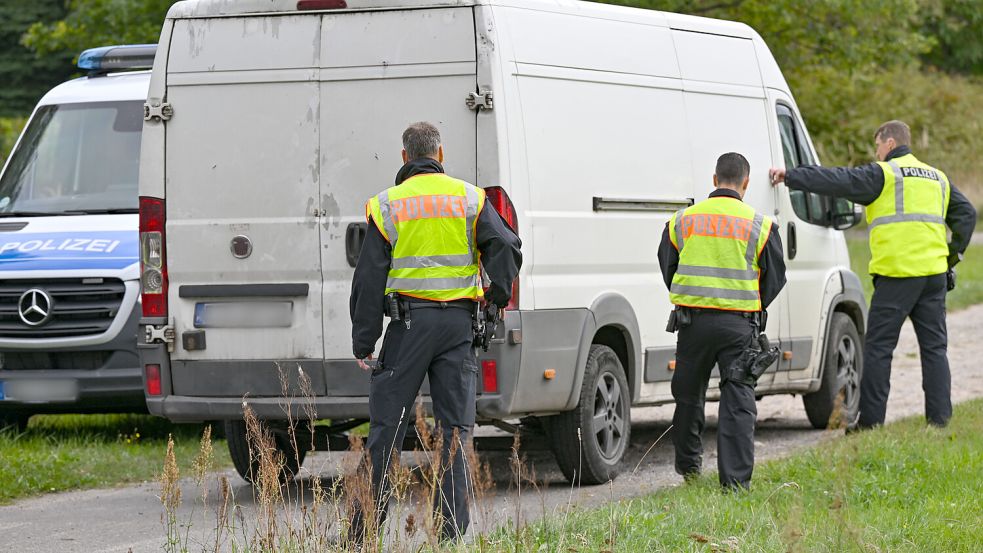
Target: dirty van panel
371,89
245,43
242,190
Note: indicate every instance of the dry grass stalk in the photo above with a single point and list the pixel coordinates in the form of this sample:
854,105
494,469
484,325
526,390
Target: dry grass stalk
170,496
267,482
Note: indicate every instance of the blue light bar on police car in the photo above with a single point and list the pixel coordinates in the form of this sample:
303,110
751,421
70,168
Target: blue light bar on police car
118,58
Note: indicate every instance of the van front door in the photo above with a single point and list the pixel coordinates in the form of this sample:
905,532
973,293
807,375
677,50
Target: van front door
810,244
381,71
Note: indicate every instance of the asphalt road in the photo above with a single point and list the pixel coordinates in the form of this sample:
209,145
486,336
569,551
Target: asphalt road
130,518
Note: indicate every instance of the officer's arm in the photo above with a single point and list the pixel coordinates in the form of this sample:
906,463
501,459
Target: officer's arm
368,292
858,184
668,257
772,265
501,255
961,219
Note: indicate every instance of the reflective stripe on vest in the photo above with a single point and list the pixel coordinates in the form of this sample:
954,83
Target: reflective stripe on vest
429,220
907,221
719,241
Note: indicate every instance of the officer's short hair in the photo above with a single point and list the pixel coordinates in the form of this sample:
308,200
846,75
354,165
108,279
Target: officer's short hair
732,168
898,130
421,140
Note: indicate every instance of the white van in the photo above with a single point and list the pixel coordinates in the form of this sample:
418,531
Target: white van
69,271
588,124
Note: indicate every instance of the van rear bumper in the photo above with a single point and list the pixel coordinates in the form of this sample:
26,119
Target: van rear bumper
200,390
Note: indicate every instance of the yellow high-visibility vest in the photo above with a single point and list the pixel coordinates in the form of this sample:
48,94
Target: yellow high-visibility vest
430,222
907,221
719,242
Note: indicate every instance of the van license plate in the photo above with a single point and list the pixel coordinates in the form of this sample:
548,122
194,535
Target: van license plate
253,314
39,391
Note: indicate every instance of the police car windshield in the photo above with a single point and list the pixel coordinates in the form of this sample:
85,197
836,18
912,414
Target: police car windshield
75,159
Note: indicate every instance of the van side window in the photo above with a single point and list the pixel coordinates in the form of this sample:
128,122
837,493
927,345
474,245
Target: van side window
808,206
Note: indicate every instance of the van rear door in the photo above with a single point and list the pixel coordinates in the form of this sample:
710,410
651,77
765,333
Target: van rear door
242,159
381,71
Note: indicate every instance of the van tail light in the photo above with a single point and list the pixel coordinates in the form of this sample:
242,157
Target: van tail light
500,200
153,259
489,376
152,373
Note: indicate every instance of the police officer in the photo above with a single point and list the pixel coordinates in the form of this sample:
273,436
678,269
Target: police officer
909,204
722,263
421,253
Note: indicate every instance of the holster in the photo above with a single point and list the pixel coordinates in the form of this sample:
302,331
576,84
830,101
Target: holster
752,363
679,317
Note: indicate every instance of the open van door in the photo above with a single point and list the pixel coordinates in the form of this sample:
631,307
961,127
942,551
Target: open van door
371,90
809,241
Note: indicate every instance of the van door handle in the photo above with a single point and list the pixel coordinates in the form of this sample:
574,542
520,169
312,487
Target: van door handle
354,237
793,246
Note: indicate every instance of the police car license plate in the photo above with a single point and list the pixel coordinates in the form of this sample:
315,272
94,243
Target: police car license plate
39,391
253,314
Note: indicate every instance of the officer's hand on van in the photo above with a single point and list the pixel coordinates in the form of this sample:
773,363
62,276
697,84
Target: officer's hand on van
777,175
362,362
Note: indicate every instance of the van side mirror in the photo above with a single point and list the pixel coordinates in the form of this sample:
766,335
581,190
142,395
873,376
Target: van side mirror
846,214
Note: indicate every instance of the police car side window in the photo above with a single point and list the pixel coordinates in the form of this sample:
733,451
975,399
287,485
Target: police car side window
807,206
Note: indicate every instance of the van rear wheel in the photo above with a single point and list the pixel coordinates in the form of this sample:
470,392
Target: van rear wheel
590,441
245,456
836,404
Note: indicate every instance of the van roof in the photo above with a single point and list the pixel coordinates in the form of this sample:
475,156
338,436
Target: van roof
219,8
114,87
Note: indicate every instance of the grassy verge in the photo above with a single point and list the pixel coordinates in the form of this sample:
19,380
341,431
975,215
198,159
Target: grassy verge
68,452
969,289
901,488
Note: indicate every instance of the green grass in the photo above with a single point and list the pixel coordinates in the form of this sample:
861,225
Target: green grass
904,487
70,452
969,281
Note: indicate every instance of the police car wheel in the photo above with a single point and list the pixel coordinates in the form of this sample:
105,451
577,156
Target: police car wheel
836,404
590,441
17,421
246,462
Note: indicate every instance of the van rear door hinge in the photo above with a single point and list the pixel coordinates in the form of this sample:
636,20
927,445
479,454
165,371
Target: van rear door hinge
479,100
159,111
163,334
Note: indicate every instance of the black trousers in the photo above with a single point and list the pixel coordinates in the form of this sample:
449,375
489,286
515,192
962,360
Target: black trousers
895,299
713,337
439,343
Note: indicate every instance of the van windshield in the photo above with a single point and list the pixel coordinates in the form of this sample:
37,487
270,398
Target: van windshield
75,158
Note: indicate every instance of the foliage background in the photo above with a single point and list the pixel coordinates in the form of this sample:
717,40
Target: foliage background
851,64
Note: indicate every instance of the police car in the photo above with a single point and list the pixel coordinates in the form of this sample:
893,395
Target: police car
69,272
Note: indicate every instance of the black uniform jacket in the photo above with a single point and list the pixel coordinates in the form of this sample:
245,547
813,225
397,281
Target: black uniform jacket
864,184
500,256
771,262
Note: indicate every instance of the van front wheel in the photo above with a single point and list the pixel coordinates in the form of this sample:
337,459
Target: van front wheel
836,404
245,453
590,441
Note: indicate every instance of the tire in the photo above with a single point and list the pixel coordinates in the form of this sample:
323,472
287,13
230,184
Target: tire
842,369
594,456
247,464
17,421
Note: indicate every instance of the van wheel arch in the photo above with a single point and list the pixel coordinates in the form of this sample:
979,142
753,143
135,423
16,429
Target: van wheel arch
613,324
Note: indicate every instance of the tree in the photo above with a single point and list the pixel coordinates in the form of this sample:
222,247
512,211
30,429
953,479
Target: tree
957,27
91,23
25,76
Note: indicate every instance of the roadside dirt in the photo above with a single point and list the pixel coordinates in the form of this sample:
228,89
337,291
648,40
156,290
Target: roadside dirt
130,517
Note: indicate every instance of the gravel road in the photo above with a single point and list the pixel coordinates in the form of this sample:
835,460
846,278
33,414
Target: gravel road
129,517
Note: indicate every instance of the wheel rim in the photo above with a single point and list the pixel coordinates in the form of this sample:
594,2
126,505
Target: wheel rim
847,376
608,425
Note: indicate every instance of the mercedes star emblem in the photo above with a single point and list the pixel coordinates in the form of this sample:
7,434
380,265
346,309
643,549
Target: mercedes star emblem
35,307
